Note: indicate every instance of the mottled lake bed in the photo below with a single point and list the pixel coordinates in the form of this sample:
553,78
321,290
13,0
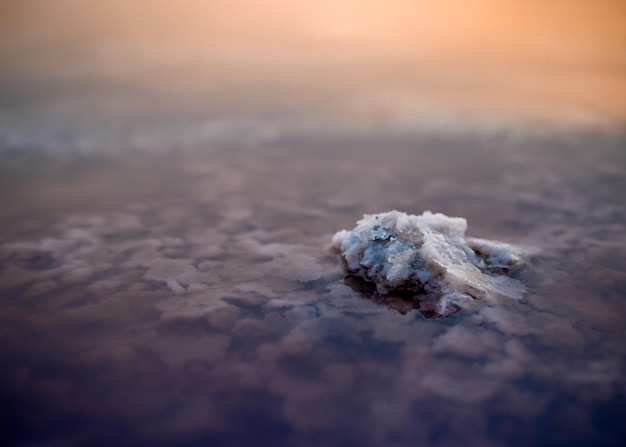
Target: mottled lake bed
187,297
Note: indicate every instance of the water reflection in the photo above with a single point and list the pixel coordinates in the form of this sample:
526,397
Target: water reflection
171,175
403,302
211,312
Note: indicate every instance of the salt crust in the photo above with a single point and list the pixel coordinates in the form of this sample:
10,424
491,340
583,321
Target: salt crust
429,256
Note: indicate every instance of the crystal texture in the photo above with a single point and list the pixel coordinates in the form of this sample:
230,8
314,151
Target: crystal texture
429,259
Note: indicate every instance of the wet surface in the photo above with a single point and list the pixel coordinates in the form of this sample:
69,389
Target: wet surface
171,175
188,297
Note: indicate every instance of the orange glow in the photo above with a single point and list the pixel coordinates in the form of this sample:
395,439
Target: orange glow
500,54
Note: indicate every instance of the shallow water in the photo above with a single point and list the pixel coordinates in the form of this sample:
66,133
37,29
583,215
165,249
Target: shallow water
187,297
171,174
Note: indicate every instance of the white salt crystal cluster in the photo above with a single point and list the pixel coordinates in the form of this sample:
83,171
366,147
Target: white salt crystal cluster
429,255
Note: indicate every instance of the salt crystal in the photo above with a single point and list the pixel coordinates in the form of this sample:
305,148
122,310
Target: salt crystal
429,257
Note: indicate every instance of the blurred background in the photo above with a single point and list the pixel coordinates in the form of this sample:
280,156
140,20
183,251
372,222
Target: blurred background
292,66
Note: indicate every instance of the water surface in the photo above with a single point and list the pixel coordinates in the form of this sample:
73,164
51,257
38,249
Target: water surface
189,299
167,199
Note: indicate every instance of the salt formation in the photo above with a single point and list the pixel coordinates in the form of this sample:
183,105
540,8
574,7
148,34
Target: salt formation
429,257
